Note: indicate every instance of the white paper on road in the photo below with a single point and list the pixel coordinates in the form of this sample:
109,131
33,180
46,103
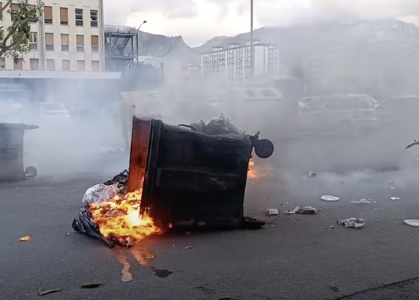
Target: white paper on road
352,222
361,201
329,198
412,222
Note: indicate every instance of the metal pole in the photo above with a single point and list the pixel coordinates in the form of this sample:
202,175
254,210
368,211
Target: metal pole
137,39
251,42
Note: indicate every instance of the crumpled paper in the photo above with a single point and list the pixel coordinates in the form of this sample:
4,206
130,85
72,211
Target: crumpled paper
306,210
352,222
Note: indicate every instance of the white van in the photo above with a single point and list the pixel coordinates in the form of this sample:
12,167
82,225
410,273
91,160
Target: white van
339,113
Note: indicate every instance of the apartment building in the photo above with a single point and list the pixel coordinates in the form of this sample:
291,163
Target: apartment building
68,37
231,66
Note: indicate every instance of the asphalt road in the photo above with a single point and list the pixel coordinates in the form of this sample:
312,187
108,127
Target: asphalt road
293,257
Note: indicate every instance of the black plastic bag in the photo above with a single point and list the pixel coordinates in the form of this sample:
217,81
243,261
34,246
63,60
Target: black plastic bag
82,223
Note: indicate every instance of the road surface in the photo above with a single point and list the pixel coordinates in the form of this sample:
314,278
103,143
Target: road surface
293,257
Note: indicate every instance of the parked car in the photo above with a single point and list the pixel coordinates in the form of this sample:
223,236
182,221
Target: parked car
341,112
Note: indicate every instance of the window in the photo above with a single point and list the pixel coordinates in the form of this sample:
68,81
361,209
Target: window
33,40
63,15
17,63
2,63
66,65
93,18
95,43
50,64
49,41
48,14
81,65
79,17
80,43
1,16
64,42
95,65
34,63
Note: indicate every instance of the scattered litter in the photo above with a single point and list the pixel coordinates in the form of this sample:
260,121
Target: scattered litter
25,238
361,201
395,198
331,227
412,222
91,285
306,210
188,247
412,144
272,212
391,188
352,222
329,198
46,292
67,234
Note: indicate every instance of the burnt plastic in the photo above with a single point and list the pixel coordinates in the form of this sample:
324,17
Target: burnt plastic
189,177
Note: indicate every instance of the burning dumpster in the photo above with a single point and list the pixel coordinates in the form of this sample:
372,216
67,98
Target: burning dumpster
11,152
191,175
186,175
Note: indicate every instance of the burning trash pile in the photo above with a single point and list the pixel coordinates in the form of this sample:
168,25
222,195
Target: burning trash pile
113,215
179,176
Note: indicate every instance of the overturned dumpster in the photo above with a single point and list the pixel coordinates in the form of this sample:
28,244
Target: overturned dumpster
11,152
186,175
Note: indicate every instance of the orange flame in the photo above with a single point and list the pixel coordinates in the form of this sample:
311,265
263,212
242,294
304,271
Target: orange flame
251,171
120,217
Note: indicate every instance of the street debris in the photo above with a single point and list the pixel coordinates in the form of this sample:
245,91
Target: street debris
391,188
412,222
361,201
311,174
306,210
25,238
395,198
412,144
329,198
272,212
188,247
91,285
352,222
42,292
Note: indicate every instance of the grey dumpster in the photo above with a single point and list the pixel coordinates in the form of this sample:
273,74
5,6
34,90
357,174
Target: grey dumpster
11,152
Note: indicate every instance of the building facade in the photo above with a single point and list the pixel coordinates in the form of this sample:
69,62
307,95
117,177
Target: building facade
68,37
231,66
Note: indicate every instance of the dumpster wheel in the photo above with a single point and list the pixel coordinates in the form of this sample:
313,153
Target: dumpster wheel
31,172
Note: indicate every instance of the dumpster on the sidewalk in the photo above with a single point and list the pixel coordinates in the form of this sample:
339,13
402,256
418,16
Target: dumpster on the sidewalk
11,152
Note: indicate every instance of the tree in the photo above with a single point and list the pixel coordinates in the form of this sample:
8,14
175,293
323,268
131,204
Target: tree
14,38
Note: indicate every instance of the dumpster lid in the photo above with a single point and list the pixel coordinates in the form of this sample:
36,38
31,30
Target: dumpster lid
17,126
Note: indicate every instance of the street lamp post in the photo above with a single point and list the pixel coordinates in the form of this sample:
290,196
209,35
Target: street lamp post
137,39
251,42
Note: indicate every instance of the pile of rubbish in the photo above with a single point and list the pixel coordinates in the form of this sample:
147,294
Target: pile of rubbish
219,126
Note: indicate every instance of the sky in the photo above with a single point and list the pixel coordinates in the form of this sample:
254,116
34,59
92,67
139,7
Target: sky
197,21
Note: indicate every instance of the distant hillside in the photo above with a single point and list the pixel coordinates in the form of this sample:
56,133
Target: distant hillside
156,45
214,42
